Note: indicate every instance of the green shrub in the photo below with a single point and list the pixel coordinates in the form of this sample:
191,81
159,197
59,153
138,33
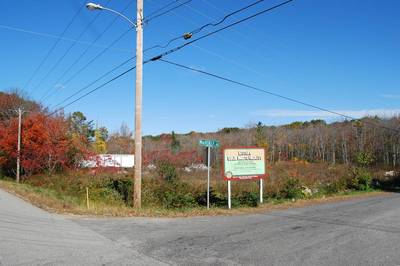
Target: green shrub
216,199
292,189
176,194
364,158
250,199
361,179
334,187
166,170
123,187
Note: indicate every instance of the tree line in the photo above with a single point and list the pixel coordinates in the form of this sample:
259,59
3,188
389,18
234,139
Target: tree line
56,142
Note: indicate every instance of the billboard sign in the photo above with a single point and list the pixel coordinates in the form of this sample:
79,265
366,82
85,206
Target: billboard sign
244,163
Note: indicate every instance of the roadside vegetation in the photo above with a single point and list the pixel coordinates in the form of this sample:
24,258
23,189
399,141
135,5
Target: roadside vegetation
307,161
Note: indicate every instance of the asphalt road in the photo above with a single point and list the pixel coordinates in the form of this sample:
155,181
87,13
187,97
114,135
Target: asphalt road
355,232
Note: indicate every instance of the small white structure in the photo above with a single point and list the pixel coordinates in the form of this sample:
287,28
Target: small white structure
390,173
110,160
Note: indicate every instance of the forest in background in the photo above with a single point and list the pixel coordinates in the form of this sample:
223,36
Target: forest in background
305,160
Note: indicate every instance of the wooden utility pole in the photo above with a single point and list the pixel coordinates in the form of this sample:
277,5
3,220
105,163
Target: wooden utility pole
19,142
137,190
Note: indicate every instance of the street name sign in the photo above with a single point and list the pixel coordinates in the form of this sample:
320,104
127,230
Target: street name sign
211,143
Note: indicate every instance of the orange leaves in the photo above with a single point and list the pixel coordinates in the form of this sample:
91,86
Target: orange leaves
45,143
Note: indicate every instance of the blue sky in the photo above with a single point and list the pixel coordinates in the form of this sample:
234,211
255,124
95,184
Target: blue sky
341,55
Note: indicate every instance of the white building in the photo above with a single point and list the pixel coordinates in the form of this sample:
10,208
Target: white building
110,160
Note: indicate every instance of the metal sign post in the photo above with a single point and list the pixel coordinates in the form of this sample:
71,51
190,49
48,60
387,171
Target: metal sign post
208,177
229,195
209,143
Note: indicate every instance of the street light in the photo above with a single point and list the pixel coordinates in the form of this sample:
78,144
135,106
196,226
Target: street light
137,190
93,6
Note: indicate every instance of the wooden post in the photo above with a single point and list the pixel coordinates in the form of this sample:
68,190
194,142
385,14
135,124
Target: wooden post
137,187
87,198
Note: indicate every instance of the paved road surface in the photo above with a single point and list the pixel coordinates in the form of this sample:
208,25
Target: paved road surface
356,232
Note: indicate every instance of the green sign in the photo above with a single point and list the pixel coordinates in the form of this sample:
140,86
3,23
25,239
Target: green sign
244,163
211,143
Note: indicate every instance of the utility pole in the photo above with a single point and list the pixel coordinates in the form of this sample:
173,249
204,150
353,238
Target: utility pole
137,187
137,190
19,142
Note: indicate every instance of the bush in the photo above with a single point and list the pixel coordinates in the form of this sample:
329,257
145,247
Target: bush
250,199
216,199
167,171
123,187
176,194
335,186
292,189
361,179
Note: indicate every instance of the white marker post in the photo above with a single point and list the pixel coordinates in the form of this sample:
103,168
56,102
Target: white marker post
229,195
261,190
208,177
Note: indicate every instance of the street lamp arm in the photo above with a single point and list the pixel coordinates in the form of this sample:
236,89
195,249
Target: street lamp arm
121,15
93,6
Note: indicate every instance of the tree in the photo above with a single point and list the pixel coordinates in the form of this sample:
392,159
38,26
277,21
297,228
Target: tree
101,136
80,126
260,136
11,101
46,145
175,144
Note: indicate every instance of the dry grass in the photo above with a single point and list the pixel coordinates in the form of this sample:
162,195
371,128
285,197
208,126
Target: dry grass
54,202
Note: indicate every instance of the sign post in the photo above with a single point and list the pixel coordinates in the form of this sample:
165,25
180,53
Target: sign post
209,144
244,163
208,177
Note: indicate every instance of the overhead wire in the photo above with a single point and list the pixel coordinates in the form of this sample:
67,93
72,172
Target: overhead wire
93,82
189,34
98,55
67,51
270,93
42,34
161,8
79,58
93,90
53,46
147,20
220,29
181,46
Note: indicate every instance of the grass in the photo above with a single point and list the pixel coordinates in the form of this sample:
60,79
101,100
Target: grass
58,202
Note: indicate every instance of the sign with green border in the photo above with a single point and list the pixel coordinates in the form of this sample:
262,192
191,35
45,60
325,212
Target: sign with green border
243,163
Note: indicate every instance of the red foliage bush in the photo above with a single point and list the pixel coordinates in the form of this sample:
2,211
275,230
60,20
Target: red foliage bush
45,144
180,159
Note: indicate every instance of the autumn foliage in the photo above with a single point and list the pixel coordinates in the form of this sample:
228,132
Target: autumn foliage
47,144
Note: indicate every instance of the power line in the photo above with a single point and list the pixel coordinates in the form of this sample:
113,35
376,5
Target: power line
93,90
220,29
45,96
271,93
188,35
172,50
163,7
67,51
146,20
103,51
96,57
52,48
43,34
226,16
93,82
